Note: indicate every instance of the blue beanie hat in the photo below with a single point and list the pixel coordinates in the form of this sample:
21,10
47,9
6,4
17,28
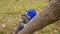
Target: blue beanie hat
31,13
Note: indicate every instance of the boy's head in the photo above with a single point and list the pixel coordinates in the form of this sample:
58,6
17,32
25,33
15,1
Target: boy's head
31,13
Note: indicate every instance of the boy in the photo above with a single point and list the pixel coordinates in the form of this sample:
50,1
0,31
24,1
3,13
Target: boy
26,17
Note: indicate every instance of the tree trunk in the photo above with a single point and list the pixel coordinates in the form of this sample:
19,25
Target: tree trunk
48,15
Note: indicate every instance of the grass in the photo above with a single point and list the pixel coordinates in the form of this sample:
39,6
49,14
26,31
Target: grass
11,10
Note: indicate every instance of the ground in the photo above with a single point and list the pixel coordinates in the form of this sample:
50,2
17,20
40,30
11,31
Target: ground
10,14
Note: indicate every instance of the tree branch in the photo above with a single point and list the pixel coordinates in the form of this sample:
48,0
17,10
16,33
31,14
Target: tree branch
48,15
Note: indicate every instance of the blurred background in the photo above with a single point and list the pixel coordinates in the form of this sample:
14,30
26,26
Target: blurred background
10,14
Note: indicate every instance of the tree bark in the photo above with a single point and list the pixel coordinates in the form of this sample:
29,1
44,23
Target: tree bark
48,15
